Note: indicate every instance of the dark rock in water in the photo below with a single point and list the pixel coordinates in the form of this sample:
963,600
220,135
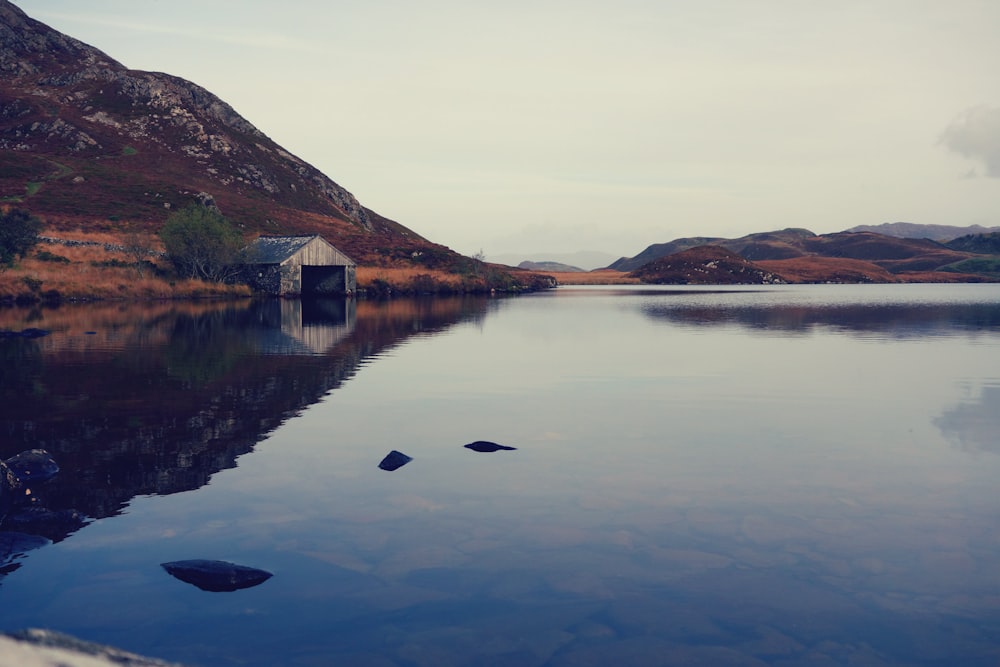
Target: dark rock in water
8,485
54,524
33,465
30,332
8,479
35,333
485,446
216,575
394,461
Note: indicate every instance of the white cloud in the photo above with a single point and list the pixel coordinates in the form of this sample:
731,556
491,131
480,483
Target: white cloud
975,134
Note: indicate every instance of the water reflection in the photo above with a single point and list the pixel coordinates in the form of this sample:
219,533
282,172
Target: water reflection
974,424
681,492
155,399
891,320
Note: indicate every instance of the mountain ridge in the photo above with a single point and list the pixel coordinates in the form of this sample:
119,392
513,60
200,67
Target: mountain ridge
798,255
911,230
85,138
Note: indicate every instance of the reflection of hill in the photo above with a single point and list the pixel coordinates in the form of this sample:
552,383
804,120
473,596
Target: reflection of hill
895,320
156,400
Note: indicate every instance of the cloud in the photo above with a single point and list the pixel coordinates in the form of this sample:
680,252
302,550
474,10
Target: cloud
975,134
971,426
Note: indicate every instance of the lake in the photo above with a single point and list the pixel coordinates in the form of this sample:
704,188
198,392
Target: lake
788,475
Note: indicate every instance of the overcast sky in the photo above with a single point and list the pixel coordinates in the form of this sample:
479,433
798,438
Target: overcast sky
544,126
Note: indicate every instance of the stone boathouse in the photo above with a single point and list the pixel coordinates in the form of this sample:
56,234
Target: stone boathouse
298,265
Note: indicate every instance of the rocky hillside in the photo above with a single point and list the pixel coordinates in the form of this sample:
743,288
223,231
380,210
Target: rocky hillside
767,245
705,265
798,255
87,143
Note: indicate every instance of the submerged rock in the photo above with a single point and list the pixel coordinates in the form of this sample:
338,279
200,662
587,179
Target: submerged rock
33,332
8,484
53,524
394,461
30,332
484,446
33,465
217,576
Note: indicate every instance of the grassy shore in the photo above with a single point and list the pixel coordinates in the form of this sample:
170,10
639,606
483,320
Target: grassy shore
596,277
95,271
98,266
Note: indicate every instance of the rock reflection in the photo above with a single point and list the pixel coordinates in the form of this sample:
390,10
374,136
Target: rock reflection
164,396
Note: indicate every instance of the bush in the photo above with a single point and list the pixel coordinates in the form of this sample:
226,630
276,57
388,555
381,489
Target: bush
201,243
46,256
18,234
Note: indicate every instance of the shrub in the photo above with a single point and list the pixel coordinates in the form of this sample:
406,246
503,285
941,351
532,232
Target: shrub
201,243
46,256
18,234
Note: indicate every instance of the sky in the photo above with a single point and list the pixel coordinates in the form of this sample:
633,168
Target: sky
551,126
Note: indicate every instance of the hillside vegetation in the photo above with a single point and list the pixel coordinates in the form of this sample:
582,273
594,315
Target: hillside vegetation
90,146
800,256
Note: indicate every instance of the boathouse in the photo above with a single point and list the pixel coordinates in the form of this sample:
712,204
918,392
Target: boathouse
298,265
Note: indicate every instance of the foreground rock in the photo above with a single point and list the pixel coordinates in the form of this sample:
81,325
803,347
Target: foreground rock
217,576
8,485
44,648
33,465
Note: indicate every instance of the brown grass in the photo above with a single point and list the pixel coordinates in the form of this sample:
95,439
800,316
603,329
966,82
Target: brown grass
817,269
401,276
79,279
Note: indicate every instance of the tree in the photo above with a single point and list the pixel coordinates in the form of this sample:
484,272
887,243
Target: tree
139,246
18,234
201,243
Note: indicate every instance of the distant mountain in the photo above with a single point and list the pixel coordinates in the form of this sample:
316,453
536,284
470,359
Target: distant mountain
909,230
584,259
554,267
766,245
798,255
86,142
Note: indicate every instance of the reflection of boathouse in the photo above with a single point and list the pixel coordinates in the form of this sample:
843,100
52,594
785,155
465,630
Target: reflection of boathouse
294,327
296,265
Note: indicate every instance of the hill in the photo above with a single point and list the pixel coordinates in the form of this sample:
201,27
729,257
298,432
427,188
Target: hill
766,245
89,144
798,255
583,259
557,267
909,230
704,265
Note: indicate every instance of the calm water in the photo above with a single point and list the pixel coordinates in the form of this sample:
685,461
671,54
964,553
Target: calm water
786,476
